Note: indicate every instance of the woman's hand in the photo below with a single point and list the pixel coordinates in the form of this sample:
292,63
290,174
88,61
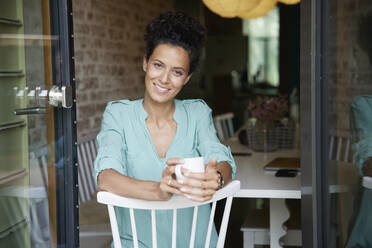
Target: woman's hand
206,184
168,183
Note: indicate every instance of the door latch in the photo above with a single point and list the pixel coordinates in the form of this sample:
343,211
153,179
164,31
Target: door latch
60,97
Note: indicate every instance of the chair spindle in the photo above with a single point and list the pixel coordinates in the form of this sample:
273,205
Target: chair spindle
174,229
194,219
114,226
153,222
134,230
224,222
211,219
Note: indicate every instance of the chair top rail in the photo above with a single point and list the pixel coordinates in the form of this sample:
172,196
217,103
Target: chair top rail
174,203
224,116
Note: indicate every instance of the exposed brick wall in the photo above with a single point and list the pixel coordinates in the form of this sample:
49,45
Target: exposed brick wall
109,48
349,65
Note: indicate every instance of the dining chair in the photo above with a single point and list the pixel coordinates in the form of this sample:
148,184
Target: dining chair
224,125
175,203
86,154
340,148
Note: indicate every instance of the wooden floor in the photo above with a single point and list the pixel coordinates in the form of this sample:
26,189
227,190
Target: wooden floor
95,231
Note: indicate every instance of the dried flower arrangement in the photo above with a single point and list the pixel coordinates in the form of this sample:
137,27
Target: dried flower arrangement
268,111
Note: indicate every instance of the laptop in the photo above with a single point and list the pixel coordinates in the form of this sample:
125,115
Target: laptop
283,163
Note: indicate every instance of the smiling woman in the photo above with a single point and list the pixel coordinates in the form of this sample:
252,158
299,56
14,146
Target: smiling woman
166,73
141,141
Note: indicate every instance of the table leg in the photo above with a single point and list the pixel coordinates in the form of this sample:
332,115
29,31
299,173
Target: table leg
279,213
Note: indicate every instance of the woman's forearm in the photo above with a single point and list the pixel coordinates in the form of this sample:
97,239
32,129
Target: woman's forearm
112,181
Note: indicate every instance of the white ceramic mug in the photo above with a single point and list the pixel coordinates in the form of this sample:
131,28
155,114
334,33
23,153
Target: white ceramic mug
192,164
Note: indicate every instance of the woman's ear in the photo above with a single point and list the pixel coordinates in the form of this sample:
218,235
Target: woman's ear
187,79
144,64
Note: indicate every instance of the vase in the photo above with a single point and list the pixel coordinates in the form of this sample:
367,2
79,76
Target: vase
264,137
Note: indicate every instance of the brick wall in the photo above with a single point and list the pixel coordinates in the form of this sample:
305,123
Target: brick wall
109,48
349,65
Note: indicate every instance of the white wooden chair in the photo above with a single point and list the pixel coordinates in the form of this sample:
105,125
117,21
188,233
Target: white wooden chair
87,153
224,125
87,150
340,148
173,204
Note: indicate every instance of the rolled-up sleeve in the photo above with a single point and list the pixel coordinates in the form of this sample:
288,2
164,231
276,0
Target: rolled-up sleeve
209,145
111,143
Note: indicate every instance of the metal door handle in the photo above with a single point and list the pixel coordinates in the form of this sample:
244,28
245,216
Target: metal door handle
30,111
57,97
60,97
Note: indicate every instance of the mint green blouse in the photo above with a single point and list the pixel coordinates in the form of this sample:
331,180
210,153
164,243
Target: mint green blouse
126,146
361,127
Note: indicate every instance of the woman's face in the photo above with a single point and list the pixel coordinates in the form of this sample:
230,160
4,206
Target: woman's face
166,72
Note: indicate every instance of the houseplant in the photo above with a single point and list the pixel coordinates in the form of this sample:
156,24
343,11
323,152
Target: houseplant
267,113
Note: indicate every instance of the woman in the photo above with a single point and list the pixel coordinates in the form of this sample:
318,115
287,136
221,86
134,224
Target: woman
141,141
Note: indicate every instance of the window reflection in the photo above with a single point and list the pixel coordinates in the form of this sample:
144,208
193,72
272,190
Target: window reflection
349,72
361,127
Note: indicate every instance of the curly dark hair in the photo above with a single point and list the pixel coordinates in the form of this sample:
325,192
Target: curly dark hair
177,29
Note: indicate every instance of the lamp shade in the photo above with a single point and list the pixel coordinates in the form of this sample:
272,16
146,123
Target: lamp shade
230,8
289,2
261,9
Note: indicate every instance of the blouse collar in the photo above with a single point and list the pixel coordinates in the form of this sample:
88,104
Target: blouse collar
176,116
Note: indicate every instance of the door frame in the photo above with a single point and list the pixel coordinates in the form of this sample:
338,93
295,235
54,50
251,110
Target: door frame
314,123
65,126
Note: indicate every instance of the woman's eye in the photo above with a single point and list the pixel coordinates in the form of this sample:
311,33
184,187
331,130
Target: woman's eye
178,73
157,65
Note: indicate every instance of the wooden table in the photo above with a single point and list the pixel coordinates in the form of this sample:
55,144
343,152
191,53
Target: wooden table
257,183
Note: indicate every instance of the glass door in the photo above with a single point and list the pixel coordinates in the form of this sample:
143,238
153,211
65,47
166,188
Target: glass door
349,125
336,138
38,173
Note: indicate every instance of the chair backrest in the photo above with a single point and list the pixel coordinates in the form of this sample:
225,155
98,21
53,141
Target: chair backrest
224,125
173,204
87,153
367,182
340,148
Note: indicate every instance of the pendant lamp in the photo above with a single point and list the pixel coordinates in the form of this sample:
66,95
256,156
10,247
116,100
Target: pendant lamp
245,9
289,2
230,8
260,10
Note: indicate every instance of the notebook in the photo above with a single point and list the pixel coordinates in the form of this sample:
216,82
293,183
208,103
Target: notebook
283,163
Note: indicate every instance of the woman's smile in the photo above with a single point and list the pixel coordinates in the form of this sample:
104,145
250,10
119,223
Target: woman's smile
161,89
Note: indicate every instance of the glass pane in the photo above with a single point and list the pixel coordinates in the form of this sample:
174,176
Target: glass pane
350,122
263,47
27,182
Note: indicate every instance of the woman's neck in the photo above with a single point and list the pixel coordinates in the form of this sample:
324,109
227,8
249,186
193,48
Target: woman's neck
159,111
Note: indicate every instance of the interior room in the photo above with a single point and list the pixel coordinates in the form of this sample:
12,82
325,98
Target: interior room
242,61
288,83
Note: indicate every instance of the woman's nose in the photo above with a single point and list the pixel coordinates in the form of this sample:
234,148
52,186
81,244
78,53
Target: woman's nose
165,76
